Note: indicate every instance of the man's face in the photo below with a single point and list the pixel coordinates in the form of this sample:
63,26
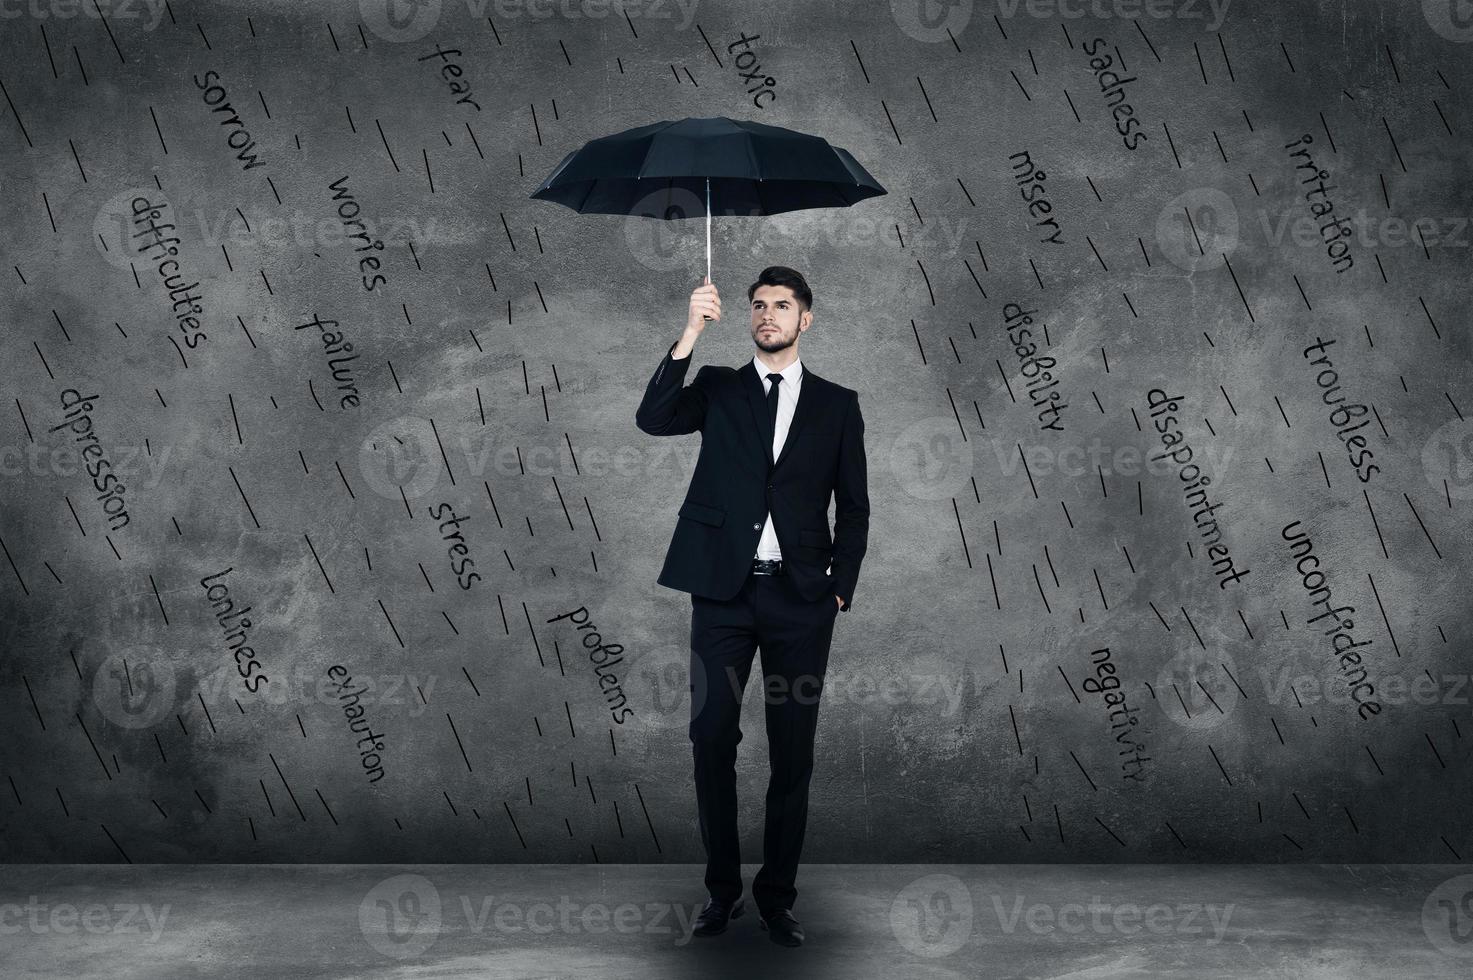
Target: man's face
777,318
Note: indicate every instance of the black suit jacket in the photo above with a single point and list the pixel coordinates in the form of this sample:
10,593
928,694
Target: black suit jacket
737,482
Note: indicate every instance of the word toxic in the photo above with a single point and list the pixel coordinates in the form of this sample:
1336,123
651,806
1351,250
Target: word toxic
1112,88
757,83
461,561
450,73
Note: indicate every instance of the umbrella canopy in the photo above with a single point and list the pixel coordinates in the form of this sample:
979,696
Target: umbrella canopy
753,169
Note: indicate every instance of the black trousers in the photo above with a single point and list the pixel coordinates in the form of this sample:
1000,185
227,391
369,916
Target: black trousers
794,635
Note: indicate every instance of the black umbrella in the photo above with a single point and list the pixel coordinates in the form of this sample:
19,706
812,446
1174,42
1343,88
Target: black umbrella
744,168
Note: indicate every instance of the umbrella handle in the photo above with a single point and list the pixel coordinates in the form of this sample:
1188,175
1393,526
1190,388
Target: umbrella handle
708,231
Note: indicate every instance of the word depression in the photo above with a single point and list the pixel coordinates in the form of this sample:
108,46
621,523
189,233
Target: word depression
185,307
77,418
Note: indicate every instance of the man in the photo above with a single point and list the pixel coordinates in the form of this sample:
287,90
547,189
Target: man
752,546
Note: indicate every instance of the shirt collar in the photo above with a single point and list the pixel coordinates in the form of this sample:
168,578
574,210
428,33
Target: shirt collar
792,374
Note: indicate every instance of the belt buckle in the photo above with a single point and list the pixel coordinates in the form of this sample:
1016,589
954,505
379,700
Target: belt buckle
767,566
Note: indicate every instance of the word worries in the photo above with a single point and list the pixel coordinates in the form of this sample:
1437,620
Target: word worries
1193,482
1106,682
348,212
1337,245
459,549
1112,88
332,346
450,72
77,416
239,138
235,634
371,757
1030,185
1342,642
1342,415
758,83
599,655
1034,367
168,270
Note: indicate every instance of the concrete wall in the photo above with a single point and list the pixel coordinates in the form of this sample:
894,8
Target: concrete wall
499,363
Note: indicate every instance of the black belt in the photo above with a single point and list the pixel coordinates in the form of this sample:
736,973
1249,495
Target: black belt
767,566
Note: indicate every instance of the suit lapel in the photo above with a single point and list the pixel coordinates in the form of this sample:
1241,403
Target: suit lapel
807,393
757,401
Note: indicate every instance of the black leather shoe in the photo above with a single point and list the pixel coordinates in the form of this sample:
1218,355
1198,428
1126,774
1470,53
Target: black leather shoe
713,918
782,927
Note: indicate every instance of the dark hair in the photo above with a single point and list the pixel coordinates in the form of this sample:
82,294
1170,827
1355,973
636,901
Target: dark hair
781,275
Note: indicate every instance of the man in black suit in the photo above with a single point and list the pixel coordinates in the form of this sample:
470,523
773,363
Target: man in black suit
752,546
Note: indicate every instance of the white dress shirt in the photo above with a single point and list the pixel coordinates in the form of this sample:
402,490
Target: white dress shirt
787,403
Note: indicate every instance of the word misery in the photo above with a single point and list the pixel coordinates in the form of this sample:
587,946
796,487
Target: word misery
348,212
1123,720
458,549
77,417
757,83
1112,88
1034,367
1342,641
1337,244
599,655
338,353
348,696
1194,482
1030,185
186,307
236,633
239,138
1343,415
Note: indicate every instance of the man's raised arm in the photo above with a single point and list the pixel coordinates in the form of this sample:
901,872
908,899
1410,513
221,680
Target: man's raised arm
670,407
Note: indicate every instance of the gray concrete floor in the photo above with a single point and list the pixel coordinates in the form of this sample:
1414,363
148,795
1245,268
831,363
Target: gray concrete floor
901,921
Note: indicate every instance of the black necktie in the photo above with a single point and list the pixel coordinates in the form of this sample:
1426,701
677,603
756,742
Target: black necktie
772,401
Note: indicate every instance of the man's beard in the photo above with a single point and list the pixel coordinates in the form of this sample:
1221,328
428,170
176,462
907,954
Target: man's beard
772,346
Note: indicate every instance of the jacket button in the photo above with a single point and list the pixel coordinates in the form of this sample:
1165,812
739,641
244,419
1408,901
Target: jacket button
756,527
769,486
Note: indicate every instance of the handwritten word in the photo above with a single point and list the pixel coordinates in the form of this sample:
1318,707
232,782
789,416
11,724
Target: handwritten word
186,308
332,344
1337,246
240,138
1112,88
1034,367
1315,583
1343,415
1194,482
1030,185
348,212
758,83
449,72
371,757
78,418
235,633
463,576
599,655
1106,682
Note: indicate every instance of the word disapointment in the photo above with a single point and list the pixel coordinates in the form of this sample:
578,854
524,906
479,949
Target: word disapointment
1342,641
185,307
338,353
1112,88
235,633
1337,245
1123,720
600,656
458,549
1194,482
1342,416
348,697
239,138
1030,185
1034,367
450,74
77,417
757,83
348,212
